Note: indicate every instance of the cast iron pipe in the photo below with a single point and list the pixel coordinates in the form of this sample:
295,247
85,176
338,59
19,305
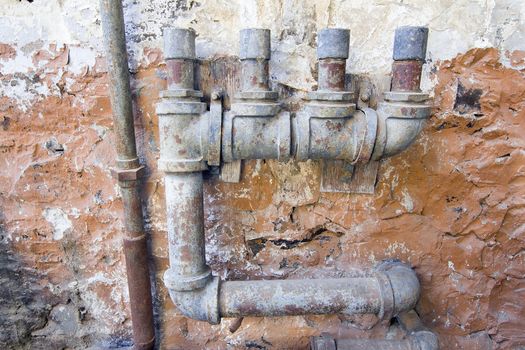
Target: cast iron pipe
183,149
332,50
128,173
181,158
394,288
418,337
402,115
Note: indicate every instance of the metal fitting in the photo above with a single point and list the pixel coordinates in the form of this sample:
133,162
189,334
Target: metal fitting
333,43
399,123
255,127
254,55
128,174
410,43
200,304
180,110
399,287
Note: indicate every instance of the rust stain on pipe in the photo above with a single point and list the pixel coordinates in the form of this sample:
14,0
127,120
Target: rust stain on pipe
406,75
128,173
332,74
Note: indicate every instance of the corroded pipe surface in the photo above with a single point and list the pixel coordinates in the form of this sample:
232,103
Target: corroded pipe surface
406,75
299,297
128,173
179,51
254,55
119,88
184,211
410,46
332,52
417,338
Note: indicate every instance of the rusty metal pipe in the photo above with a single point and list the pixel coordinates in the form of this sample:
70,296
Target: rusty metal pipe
300,297
394,288
128,172
418,337
402,115
332,52
254,55
410,46
184,206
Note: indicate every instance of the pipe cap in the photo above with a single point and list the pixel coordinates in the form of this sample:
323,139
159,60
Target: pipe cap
333,43
255,43
179,43
410,43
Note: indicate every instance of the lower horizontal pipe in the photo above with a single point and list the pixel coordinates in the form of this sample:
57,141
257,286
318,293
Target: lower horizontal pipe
318,343
299,297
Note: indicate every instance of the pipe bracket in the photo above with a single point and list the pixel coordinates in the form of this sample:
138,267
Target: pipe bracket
214,129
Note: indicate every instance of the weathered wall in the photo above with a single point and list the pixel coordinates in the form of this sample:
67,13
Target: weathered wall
453,205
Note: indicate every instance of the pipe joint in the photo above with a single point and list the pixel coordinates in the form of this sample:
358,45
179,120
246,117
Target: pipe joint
401,117
186,283
399,288
199,304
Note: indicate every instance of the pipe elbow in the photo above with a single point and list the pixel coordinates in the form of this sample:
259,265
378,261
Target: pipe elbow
400,289
199,304
399,124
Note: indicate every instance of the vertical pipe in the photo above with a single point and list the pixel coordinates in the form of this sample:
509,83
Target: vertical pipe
332,52
183,178
254,55
179,52
128,172
410,46
184,201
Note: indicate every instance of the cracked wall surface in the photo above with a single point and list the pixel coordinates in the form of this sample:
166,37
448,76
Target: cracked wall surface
452,205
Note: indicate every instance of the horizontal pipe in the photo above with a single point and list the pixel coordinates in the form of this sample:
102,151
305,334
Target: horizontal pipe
299,297
417,338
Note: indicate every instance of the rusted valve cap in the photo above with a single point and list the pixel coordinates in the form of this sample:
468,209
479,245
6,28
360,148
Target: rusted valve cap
255,43
333,43
179,43
410,43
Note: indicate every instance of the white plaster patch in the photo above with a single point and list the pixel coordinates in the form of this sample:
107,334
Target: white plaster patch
59,220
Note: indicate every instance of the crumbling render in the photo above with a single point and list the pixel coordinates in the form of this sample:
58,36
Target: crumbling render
329,127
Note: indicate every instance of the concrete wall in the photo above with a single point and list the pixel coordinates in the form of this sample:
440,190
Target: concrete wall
452,205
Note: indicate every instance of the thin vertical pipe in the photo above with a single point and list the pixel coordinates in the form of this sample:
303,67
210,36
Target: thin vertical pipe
128,171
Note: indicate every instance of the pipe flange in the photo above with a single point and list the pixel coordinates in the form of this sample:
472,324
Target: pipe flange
181,283
330,96
387,295
257,95
329,110
367,146
255,109
404,110
169,107
180,93
401,96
